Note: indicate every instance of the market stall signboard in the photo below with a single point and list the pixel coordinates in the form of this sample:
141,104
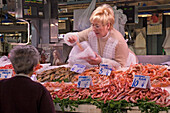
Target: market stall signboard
154,24
30,9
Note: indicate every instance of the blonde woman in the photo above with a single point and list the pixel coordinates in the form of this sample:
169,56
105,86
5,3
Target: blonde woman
107,43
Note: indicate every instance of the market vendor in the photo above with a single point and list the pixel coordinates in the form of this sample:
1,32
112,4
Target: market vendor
20,94
108,44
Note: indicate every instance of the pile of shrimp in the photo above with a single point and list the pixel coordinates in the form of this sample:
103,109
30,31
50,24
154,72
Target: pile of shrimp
117,86
159,75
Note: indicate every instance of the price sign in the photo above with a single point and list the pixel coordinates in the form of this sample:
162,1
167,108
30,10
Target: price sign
105,70
84,82
6,73
140,81
78,68
104,65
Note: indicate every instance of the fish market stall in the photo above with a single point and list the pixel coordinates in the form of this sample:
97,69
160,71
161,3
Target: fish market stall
106,94
114,93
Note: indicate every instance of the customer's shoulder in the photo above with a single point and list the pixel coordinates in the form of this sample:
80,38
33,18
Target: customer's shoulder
1,81
37,84
40,87
4,80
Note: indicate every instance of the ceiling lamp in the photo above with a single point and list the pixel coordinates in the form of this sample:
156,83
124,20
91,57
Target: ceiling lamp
166,13
144,14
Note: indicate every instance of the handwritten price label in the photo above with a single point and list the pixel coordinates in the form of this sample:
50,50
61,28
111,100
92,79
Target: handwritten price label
105,70
6,73
140,81
84,82
78,68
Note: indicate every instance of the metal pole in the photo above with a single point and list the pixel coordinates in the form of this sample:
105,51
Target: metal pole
1,16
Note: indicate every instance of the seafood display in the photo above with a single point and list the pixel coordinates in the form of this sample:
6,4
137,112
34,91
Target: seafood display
114,90
9,66
117,86
56,74
110,92
159,75
53,86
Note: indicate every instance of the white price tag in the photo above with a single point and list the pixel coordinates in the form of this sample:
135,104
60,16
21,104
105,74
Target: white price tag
140,81
84,82
6,73
78,68
104,65
105,70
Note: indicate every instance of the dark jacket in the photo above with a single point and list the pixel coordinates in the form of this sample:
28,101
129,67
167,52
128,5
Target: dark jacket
20,94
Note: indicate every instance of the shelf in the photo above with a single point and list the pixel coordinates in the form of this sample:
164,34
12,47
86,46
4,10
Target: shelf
71,2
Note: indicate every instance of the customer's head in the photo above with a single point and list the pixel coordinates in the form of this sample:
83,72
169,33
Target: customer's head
24,58
102,19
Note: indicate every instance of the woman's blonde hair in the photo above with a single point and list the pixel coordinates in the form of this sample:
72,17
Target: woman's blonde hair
103,14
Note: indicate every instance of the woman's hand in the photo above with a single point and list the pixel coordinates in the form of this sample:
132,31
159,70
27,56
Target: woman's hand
94,61
72,39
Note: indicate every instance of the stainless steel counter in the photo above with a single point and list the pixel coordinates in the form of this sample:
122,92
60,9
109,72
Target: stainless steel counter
153,59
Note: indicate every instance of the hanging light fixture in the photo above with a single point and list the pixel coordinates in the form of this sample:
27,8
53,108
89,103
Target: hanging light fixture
166,13
144,14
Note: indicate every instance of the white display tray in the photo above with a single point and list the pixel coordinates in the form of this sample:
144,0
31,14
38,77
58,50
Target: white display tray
48,67
86,108
83,108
